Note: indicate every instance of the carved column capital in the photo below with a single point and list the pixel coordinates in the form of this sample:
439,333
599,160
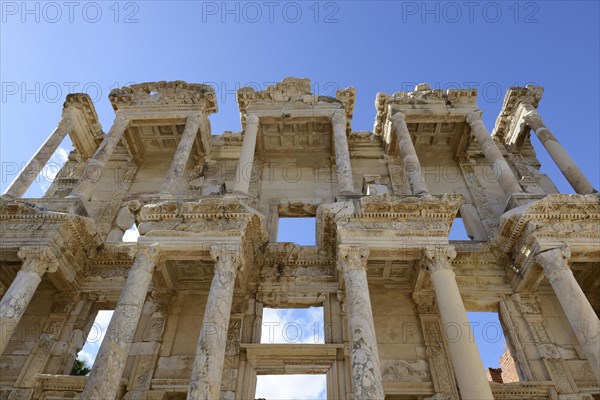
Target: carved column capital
398,118
554,261
338,118
227,259
352,257
67,121
252,119
533,119
438,258
38,259
474,116
151,253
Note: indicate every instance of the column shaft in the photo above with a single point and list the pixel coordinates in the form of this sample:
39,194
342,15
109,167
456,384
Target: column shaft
94,168
23,181
36,262
470,373
109,365
577,308
245,163
411,164
182,154
210,352
342,154
506,177
364,356
558,153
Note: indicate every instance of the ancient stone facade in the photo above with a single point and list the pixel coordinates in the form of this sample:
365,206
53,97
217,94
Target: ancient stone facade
189,295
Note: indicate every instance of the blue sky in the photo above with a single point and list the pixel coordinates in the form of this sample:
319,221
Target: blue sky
49,49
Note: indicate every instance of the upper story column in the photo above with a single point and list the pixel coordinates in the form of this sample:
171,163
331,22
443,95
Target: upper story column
37,260
558,153
576,306
107,371
490,150
22,182
364,357
342,154
94,168
470,374
411,164
182,155
244,170
210,351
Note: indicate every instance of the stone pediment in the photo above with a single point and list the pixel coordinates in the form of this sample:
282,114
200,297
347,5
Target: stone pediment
160,94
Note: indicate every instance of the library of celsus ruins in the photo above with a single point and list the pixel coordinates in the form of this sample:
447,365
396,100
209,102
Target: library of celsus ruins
188,296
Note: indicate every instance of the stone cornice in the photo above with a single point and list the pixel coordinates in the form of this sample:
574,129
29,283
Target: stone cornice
160,94
297,91
422,95
566,209
508,117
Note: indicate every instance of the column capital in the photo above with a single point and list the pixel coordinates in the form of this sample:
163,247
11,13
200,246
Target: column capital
338,118
438,258
194,118
533,119
252,119
474,116
67,121
151,253
227,258
38,259
398,118
554,261
351,257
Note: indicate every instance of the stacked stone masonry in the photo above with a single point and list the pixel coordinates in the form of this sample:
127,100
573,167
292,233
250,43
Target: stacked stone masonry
189,294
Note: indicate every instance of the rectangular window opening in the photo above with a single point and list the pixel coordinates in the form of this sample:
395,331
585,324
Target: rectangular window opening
293,326
299,230
94,339
488,333
291,387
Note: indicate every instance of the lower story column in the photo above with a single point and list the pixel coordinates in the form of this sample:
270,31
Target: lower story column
364,357
576,306
210,352
109,365
470,374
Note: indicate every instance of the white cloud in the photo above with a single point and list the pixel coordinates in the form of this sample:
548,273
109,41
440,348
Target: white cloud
293,387
131,235
293,325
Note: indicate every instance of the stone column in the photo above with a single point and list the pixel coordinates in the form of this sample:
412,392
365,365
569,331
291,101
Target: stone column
412,166
36,262
577,308
242,182
342,153
364,357
109,365
94,168
22,182
182,154
210,352
558,153
470,373
506,178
